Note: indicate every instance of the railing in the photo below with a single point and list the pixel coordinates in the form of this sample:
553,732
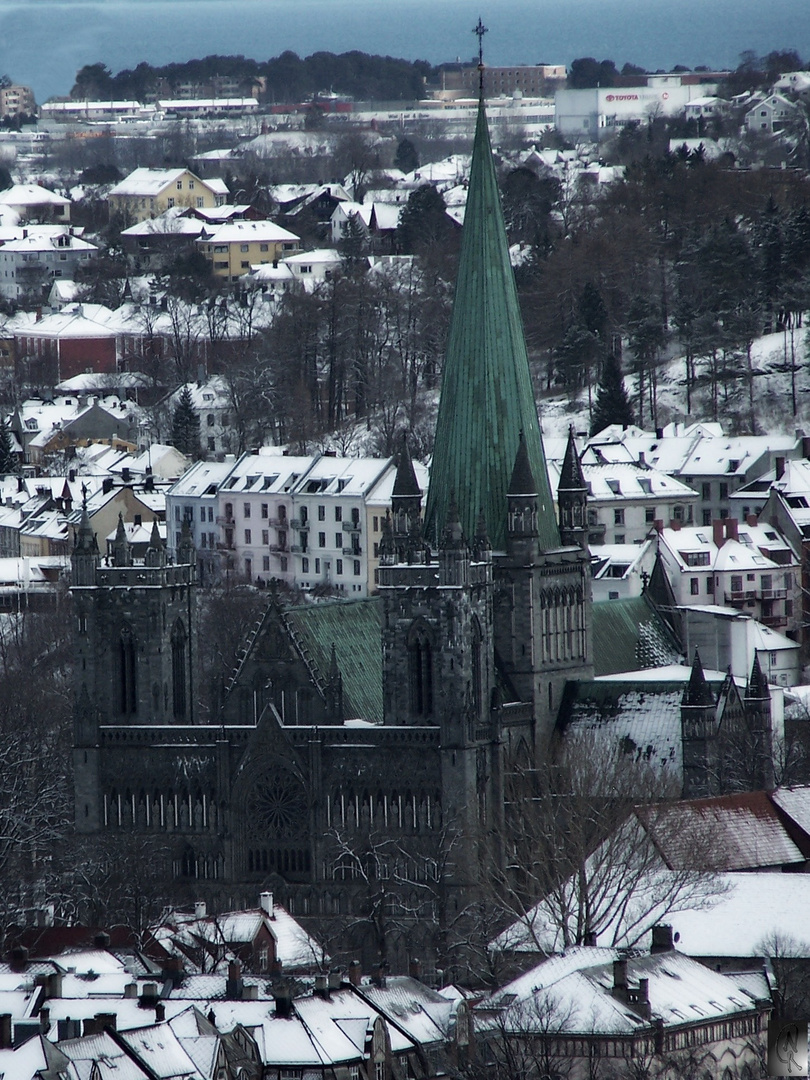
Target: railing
352,551
299,523
225,521
773,594
280,547
351,526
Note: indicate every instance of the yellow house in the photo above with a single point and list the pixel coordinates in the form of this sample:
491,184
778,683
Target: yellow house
236,246
147,193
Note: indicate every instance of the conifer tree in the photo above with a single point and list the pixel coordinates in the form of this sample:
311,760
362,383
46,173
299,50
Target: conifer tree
612,401
406,157
186,426
8,461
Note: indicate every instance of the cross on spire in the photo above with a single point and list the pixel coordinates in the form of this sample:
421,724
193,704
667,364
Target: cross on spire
479,30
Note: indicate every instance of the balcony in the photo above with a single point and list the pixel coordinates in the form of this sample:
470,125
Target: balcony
352,552
279,523
299,549
281,548
351,526
773,594
299,523
225,521
774,620
740,598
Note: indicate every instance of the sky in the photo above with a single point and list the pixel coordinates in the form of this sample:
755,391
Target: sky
44,42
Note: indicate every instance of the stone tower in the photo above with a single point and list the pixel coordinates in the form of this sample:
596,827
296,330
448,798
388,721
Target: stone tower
134,652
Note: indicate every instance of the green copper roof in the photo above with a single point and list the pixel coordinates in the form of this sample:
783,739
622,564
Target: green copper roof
487,397
353,626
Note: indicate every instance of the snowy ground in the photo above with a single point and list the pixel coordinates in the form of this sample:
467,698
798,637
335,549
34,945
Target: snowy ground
773,411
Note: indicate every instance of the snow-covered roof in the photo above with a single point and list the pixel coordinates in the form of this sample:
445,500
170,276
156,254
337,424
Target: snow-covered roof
31,195
148,183
575,993
64,241
234,232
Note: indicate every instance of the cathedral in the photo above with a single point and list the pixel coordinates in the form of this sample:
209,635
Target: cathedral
358,766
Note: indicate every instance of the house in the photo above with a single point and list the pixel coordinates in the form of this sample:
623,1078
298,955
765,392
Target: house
32,202
153,242
70,342
29,265
264,940
147,193
137,504
620,571
599,1004
236,246
749,567
772,115
729,639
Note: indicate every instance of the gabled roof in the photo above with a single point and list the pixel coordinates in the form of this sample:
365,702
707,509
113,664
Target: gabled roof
487,397
628,634
354,628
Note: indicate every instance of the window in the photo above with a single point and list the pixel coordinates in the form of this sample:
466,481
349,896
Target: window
376,524
706,491
338,513
317,566
179,670
304,515
179,186
170,203
210,419
710,584
212,443
191,185
321,539
357,568
210,513
200,202
618,516
247,536
723,491
707,517
649,515
244,247
265,536
321,513
265,562
305,566
338,540
264,247
283,564
339,566
264,510
202,513
736,583
694,586
246,510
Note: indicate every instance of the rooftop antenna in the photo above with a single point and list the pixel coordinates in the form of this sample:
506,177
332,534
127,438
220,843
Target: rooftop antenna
479,30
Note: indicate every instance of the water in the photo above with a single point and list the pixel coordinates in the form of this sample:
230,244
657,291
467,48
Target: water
44,42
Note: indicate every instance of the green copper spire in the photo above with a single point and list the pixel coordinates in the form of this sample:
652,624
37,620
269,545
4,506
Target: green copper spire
487,397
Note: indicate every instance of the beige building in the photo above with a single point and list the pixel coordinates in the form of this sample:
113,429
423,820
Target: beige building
239,245
147,193
17,101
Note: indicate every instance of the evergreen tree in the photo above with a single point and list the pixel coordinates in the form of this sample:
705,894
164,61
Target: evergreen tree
186,426
8,460
612,401
423,221
406,158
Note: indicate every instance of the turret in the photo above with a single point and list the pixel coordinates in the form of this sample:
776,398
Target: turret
85,557
156,552
699,736
572,498
759,721
121,550
521,505
186,551
454,554
406,510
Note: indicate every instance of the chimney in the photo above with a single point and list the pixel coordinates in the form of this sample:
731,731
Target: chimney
44,1019
806,446
71,475
107,1020
642,458
102,940
5,1031
322,987
355,973
752,520
126,475
780,465
640,998
415,968
200,910
68,1029
590,938
658,525
662,938
53,985
131,990
283,997
234,984
718,532
675,525
659,433
335,979
19,958
149,995
378,978
106,485
266,903
619,977
160,1012
731,529
172,970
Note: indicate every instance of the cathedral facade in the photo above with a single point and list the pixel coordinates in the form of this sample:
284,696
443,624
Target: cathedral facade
358,766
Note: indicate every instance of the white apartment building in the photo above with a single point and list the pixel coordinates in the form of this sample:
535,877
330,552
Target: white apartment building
747,567
302,520
36,259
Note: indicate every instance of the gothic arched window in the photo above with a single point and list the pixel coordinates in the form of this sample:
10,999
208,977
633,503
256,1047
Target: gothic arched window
179,670
477,672
127,672
420,670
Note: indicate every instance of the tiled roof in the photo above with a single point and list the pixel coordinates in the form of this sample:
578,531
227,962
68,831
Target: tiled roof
487,397
628,634
736,832
354,628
